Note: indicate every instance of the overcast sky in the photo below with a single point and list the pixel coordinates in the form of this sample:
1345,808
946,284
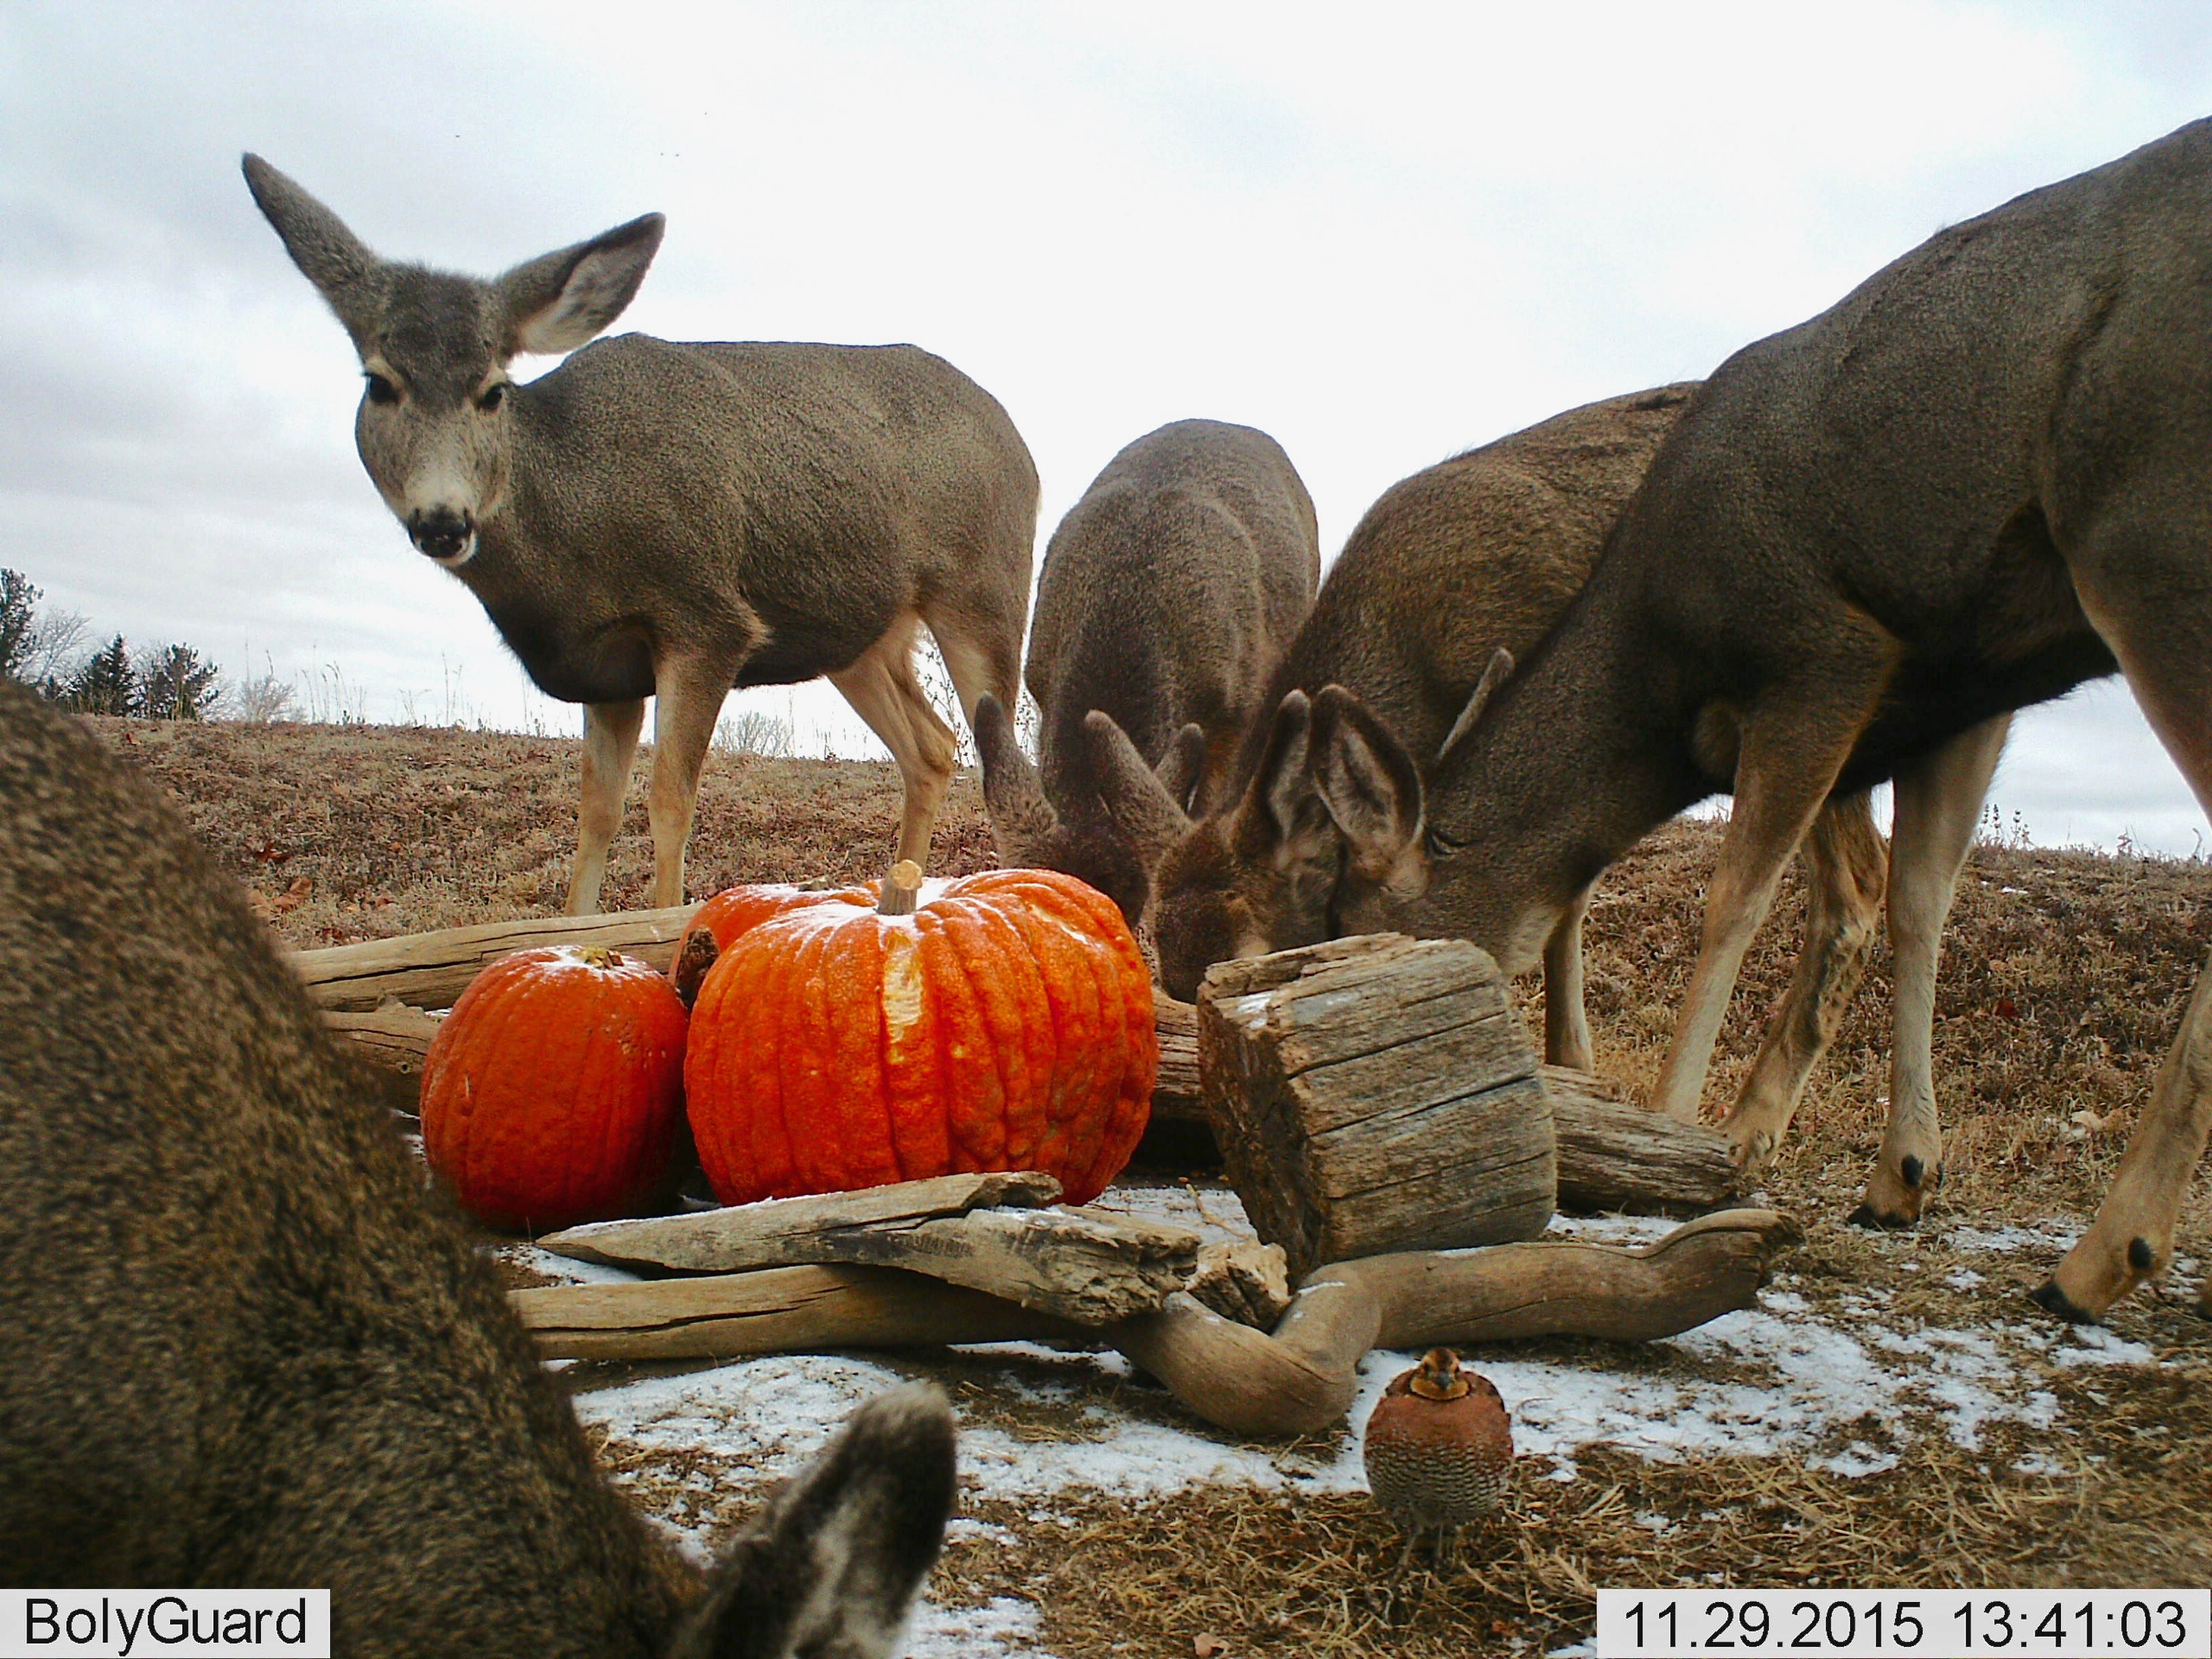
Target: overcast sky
1382,233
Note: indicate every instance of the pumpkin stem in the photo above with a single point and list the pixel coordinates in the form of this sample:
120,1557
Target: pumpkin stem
902,888
600,956
698,955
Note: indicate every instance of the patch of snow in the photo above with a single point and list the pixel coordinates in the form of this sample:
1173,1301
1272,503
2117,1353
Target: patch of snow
564,1269
1002,1628
2049,1234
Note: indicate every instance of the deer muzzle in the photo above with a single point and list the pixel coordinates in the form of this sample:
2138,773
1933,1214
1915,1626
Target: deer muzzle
446,533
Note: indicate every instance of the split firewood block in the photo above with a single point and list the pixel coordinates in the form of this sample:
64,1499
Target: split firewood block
1376,1094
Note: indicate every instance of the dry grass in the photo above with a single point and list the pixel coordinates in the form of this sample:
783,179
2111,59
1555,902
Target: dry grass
2063,982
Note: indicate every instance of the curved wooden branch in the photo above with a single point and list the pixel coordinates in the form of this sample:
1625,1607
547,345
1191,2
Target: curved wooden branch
1303,1377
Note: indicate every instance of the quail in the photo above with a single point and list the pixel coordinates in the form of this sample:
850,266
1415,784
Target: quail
1438,1446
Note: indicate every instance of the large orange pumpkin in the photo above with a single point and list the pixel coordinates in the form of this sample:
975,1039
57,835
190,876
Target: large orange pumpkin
1005,1024
553,1093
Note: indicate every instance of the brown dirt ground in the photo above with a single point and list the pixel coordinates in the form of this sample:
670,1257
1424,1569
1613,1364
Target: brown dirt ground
2062,981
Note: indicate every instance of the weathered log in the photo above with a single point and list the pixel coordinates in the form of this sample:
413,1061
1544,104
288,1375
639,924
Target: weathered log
771,1311
1082,1265
1299,1379
1376,1094
431,970
1175,1089
1614,1155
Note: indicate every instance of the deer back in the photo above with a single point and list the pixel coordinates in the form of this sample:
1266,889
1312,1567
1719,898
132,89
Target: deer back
247,1345
1168,594
1478,554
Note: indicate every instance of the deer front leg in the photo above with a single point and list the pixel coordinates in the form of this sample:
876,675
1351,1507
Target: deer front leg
1845,866
1566,1018
1787,763
1939,801
611,732
687,701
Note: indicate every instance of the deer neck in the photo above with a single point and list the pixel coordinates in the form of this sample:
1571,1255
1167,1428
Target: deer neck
1582,754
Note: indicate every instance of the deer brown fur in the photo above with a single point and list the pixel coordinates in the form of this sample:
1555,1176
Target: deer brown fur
248,1346
1168,594
1472,558
1974,483
666,520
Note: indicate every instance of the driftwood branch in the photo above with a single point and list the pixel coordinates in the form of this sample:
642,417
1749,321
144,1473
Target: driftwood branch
431,970
1300,1378
1081,1265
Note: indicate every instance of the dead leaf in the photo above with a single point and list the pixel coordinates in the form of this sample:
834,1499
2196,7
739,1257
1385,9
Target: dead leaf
2091,1121
1208,1647
2006,1008
292,896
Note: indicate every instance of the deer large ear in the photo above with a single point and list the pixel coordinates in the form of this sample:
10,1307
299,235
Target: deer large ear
556,302
1182,768
347,274
1281,814
1495,673
832,1566
1372,790
1151,819
1022,818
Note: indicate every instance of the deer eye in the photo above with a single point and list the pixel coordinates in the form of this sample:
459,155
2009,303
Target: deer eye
381,391
493,396
1438,845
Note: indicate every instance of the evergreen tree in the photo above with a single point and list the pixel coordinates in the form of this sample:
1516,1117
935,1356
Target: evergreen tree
104,683
19,624
176,685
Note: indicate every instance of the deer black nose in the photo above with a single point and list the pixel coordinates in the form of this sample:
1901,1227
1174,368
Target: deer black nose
442,532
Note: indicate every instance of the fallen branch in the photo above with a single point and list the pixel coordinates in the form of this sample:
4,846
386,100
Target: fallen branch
1299,1379
1081,1265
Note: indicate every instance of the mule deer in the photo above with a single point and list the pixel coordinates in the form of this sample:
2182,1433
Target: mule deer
1451,567
248,1348
660,520
1168,594
1971,484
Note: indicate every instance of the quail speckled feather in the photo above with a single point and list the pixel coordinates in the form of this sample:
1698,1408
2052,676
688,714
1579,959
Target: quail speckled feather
1439,1445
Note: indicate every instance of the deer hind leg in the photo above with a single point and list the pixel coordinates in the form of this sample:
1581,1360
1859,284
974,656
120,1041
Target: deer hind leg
2157,625
1939,801
611,732
980,656
1846,865
883,690
1566,1018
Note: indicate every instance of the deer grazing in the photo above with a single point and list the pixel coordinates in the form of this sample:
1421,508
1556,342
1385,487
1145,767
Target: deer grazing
1478,554
654,519
248,1348
1974,483
1168,594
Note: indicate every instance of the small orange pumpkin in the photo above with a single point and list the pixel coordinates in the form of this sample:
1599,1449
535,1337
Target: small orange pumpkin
1007,1023
553,1094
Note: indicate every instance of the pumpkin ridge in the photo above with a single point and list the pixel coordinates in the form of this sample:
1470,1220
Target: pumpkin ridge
1023,1034
972,1118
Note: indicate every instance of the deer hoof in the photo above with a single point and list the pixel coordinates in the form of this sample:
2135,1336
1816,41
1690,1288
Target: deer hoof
2053,1300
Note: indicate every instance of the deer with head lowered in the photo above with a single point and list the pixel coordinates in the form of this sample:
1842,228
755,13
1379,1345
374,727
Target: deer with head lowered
249,1347
1450,572
665,520
1168,594
1974,483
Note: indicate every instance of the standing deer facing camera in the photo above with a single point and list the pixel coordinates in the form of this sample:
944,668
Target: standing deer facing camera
1170,593
655,519
1976,481
245,1347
